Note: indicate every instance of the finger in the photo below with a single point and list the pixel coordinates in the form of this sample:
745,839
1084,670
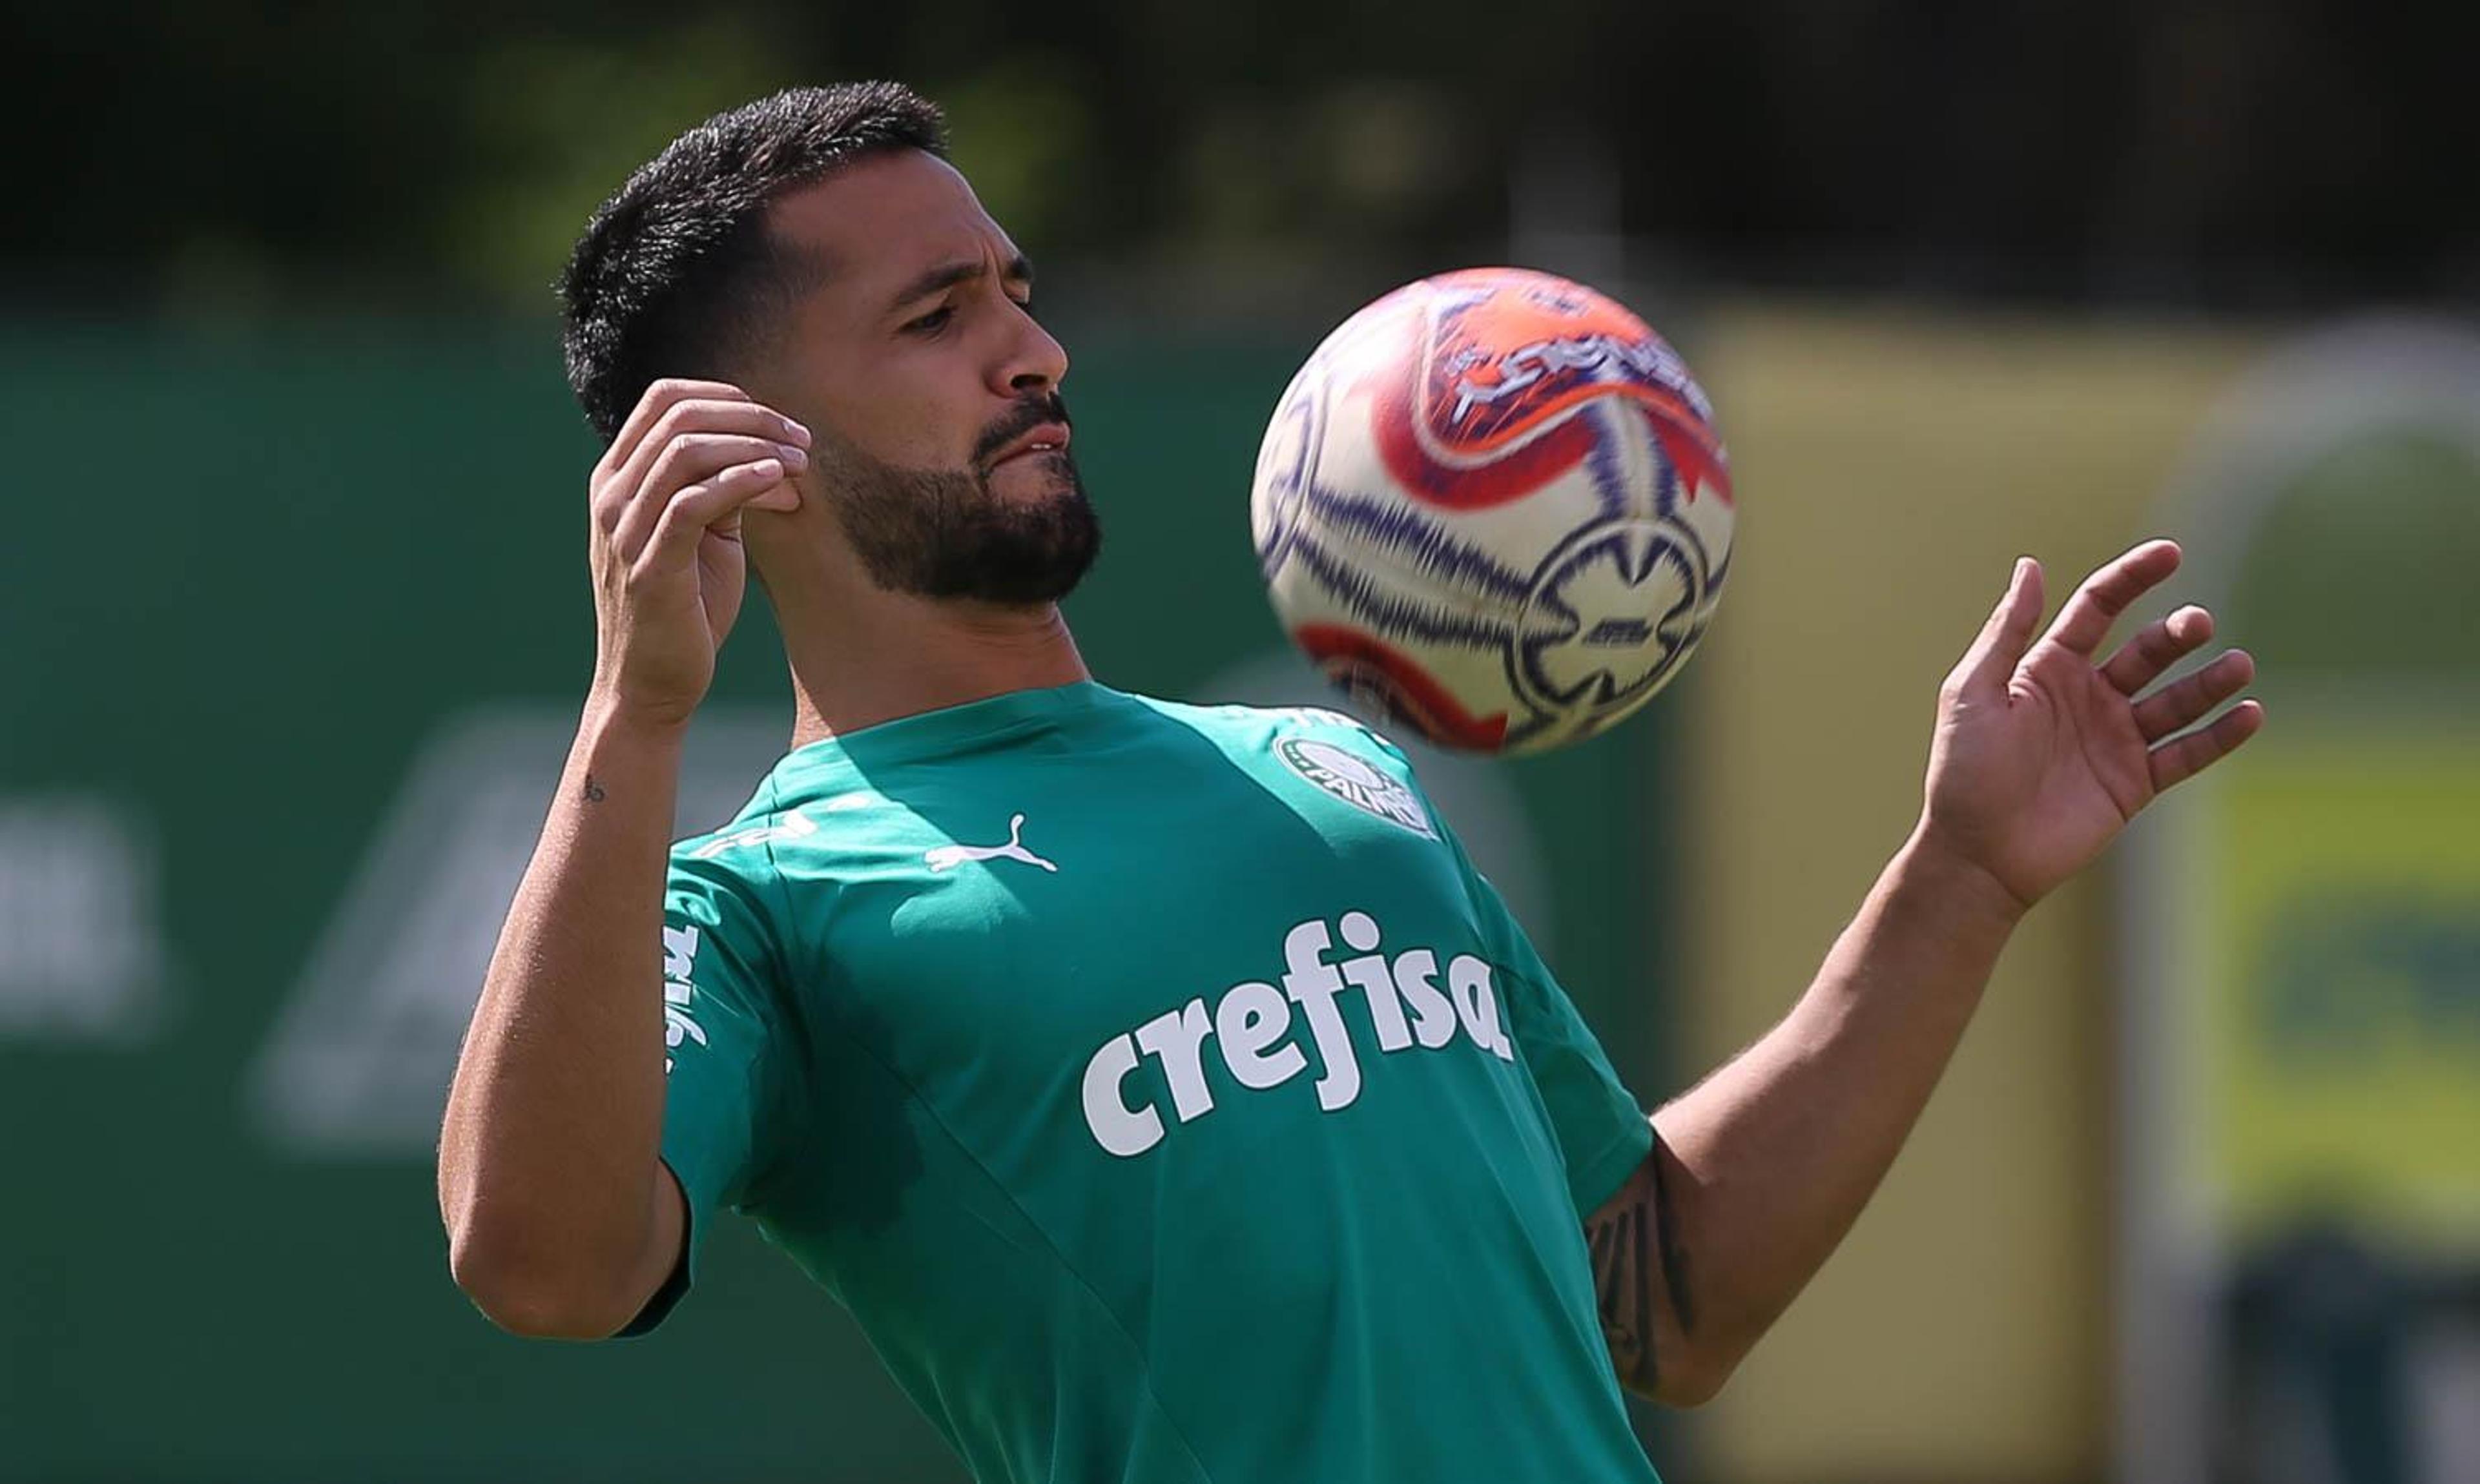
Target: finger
2143,660
703,417
615,487
692,458
2181,759
1991,661
658,399
688,514
2183,702
783,499
2084,622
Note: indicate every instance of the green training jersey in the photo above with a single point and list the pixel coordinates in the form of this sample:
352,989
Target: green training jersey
1162,1090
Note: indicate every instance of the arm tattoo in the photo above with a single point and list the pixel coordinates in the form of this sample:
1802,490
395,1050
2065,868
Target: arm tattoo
1674,1254
1634,1242
1616,1237
593,790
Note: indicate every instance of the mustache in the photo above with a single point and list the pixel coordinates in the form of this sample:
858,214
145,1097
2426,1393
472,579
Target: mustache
1019,420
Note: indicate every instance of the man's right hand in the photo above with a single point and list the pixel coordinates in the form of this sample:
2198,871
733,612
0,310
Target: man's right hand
669,573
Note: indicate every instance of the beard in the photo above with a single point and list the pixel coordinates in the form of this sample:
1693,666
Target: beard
947,534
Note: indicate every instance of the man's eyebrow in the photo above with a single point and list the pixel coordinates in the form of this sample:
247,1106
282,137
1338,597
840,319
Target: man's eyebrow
947,275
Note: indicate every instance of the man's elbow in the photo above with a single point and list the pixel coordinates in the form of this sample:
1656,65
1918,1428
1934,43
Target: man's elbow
1691,1375
536,1299
1685,1386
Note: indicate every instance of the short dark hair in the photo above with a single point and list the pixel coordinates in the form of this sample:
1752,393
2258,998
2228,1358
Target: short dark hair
674,273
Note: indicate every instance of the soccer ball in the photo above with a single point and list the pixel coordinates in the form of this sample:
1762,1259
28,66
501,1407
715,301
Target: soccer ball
1494,505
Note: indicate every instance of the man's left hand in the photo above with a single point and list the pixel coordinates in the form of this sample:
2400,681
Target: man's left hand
2043,753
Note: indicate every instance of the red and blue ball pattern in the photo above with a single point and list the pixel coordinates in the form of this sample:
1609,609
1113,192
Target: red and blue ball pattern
1493,504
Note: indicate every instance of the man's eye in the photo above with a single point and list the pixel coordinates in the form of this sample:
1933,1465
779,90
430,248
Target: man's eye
932,322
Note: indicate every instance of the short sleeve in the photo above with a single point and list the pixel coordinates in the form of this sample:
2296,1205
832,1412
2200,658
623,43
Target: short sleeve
1603,1134
722,1054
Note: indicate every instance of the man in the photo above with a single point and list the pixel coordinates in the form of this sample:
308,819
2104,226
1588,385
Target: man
1160,1113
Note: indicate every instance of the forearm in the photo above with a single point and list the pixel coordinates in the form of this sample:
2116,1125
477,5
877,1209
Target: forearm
546,1162
2041,755
1777,1152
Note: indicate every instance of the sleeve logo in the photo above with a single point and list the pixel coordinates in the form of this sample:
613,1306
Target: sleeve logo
679,954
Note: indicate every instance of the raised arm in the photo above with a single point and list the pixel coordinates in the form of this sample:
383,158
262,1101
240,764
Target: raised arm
562,1218
2041,756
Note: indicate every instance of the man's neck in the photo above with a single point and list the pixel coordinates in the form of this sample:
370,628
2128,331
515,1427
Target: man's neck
910,655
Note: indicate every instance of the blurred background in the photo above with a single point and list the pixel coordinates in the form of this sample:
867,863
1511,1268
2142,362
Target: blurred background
296,627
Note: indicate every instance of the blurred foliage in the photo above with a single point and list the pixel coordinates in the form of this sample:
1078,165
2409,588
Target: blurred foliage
2222,151
564,122
1020,127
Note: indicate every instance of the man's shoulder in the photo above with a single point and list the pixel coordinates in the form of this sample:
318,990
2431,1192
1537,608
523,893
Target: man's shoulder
1263,725
745,856
745,844
805,823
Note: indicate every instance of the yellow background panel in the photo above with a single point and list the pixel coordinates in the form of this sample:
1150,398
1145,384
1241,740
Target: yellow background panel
1891,467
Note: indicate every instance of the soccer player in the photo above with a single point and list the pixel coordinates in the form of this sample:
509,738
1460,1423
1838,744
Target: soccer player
1158,1085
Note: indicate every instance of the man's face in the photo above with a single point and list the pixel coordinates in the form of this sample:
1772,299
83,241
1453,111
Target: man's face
941,439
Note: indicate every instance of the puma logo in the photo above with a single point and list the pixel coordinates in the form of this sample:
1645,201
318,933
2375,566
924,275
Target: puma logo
948,856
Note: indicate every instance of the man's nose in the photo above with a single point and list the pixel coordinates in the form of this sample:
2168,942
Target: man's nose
1036,361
